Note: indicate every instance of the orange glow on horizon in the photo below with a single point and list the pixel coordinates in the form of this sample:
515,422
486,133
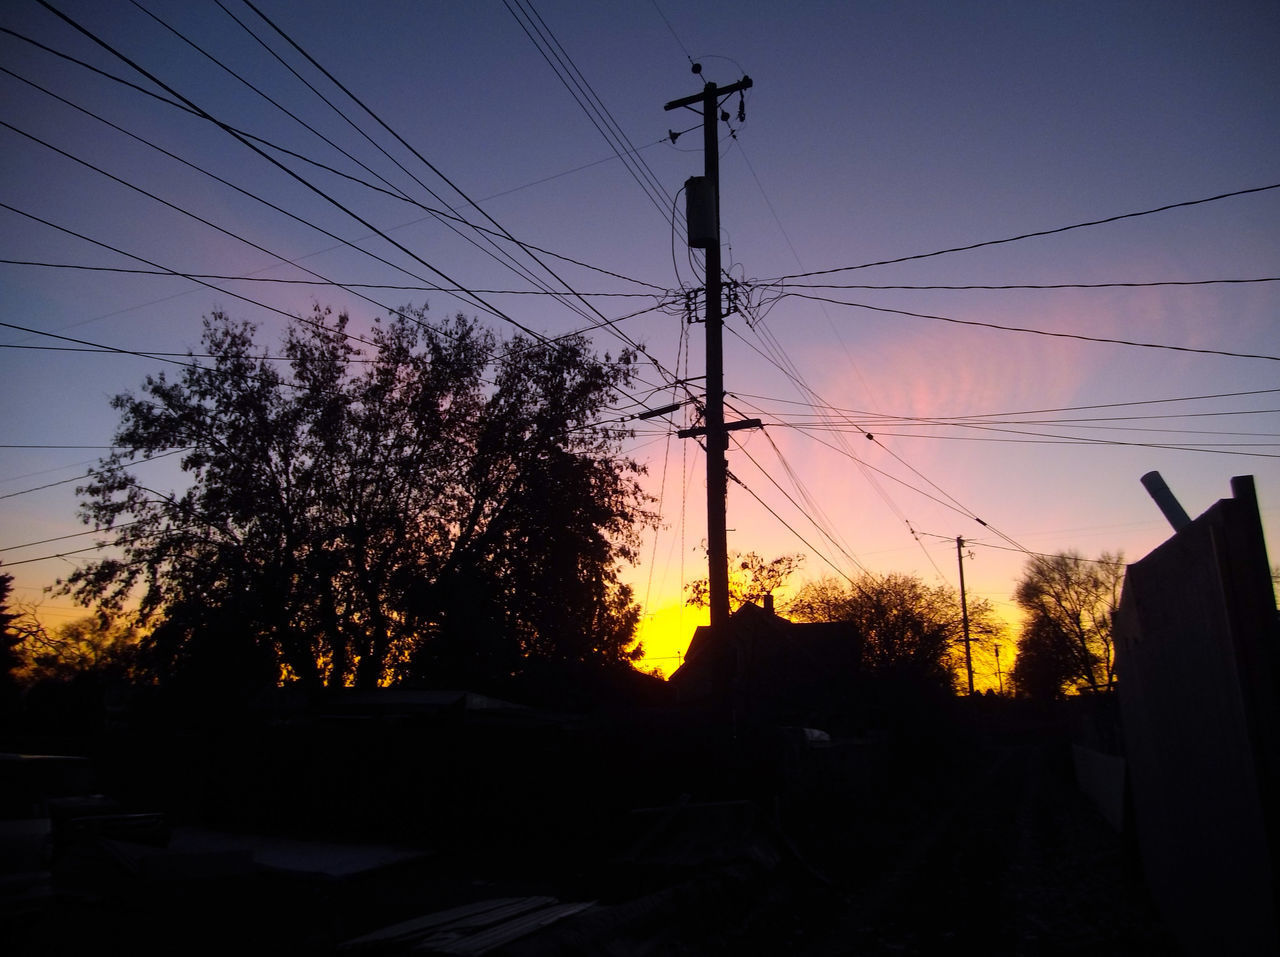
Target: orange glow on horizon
666,632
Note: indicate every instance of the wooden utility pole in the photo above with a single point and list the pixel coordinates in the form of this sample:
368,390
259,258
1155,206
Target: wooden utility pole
717,437
964,613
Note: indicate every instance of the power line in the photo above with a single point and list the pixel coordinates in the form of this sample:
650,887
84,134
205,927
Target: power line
185,109
279,106
418,155
1031,235
783,363
200,219
172,272
604,322
1041,332
1091,561
221,277
1077,423
63,538
499,254
45,558
77,478
1132,429
675,35
145,354
576,169
789,527
1069,408
452,186
291,173
434,213
827,532
1041,438
1055,285
100,347
244,26
589,101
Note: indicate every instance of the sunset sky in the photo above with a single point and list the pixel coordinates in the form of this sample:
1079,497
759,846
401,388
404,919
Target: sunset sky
874,131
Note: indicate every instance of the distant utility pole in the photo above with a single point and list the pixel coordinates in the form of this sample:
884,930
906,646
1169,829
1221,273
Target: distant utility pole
703,205
964,613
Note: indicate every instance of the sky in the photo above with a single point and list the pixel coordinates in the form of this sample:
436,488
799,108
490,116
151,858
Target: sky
872,132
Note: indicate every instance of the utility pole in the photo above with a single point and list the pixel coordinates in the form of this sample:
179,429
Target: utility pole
703,203
964,612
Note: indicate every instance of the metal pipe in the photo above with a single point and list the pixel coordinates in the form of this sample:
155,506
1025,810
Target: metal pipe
1164,498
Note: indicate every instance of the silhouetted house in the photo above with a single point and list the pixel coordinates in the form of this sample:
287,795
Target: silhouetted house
764,668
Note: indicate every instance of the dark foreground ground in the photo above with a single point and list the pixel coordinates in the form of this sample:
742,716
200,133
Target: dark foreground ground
976,845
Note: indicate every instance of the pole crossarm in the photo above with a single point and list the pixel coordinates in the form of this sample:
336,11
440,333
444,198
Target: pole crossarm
743,84
727,427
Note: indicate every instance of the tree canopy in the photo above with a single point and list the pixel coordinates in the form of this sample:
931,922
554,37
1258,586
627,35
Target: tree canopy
427,503
910,630
751,579
1066,641
10,639
94,645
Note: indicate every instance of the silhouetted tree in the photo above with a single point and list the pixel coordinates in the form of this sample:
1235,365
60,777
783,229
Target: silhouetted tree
751,579
1044,666
9,640
911,632
94,644
1069,601
427,502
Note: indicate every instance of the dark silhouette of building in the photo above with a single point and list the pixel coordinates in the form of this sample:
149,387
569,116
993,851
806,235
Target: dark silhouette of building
1198,655
763,668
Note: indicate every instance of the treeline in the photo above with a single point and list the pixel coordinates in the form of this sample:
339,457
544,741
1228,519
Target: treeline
426,502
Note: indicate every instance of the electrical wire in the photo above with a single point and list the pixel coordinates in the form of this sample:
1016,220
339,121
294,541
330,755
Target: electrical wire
496,251
1069,408
612,329
172,272
472,297
341,284
432,213
206,222
78,478
589,101
266,96
789,527
778,357
672,29
63,538
1032,235
1042,332
1053,285
186,109
1049,439
826,531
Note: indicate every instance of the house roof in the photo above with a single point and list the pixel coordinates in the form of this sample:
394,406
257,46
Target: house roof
765,649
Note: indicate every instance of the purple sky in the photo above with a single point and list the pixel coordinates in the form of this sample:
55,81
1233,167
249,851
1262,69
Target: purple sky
873,131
